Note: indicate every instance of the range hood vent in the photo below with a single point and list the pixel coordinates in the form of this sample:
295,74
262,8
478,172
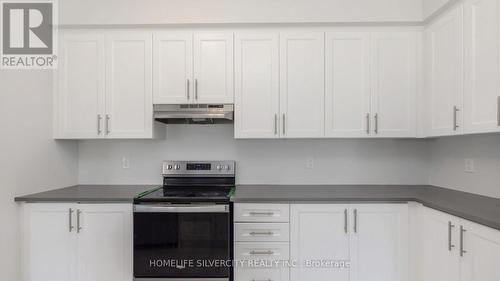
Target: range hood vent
194,113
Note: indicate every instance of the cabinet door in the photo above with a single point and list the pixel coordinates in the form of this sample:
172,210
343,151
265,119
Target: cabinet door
129,105
302,89
347,98
380,242
105,242
79,100
49,247
482,66
439,256
444,68
257,85
482,253
394,84
319,233
213,68
172,68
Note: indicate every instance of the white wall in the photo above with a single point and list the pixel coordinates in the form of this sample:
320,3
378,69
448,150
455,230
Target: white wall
30,161
74,12
447,163
431,6
259,161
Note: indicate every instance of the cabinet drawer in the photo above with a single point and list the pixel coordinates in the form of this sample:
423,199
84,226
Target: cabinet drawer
261,251
261,274
262,213
258,232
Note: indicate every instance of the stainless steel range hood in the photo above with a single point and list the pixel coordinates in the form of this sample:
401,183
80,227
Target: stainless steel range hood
194,113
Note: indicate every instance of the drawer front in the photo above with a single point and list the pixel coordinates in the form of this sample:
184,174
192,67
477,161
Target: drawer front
244,212
261,274
261,251
261,232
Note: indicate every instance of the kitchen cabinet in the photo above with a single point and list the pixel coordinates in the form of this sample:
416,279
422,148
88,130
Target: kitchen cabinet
257,85
444,74
482,66
79,97
393,84
60,242
347,85
302,90
105,86
193,68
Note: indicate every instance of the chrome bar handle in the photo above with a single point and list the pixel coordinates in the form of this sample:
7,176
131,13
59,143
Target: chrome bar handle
269,233
368,123
262,279
275,124
261,213
462,231
355,220
345,220
187,89
99,118
284,124
107,124
450,244
70,219
196,89
78,226
498,111
376,123
455,118
269,252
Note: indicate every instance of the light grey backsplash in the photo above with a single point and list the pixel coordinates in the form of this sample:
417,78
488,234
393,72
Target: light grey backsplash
258,161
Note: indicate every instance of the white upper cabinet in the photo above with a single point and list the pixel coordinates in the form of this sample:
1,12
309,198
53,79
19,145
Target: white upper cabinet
347,97
482,66
394,84
444,74
257,85
173,68
79,96
213,68
302,89
129,104
319,232
379,242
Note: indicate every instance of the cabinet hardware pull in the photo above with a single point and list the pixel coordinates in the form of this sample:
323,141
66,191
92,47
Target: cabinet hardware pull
450,245
196,89
99,118
455,121
345,220
262,279
187,89
78,227
284,124
70,219
462,231
275,124
261,252
498,111
355,220
368,123
253,233
261,213
376,123
107,124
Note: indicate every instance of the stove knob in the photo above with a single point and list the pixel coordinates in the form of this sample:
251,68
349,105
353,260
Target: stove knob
228,167
219,167
169,167
177,167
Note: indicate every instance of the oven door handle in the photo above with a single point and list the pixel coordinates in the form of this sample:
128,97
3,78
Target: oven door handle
182,209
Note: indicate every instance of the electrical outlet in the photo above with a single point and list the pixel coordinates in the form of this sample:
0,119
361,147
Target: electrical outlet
469,166
310,163
125,163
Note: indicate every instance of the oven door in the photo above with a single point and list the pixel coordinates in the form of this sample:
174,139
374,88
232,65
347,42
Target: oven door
182,242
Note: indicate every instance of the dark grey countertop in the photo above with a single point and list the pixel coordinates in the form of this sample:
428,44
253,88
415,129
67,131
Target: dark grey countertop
89,194
481,209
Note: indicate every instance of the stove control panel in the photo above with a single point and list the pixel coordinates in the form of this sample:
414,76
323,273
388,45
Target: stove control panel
202,168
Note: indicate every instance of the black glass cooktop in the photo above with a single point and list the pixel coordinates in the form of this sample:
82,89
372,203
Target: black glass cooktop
168,194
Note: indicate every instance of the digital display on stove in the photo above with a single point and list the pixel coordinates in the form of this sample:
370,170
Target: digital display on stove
198,167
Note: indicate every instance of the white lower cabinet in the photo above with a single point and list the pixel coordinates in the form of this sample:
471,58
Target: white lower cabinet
77,242
456,249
